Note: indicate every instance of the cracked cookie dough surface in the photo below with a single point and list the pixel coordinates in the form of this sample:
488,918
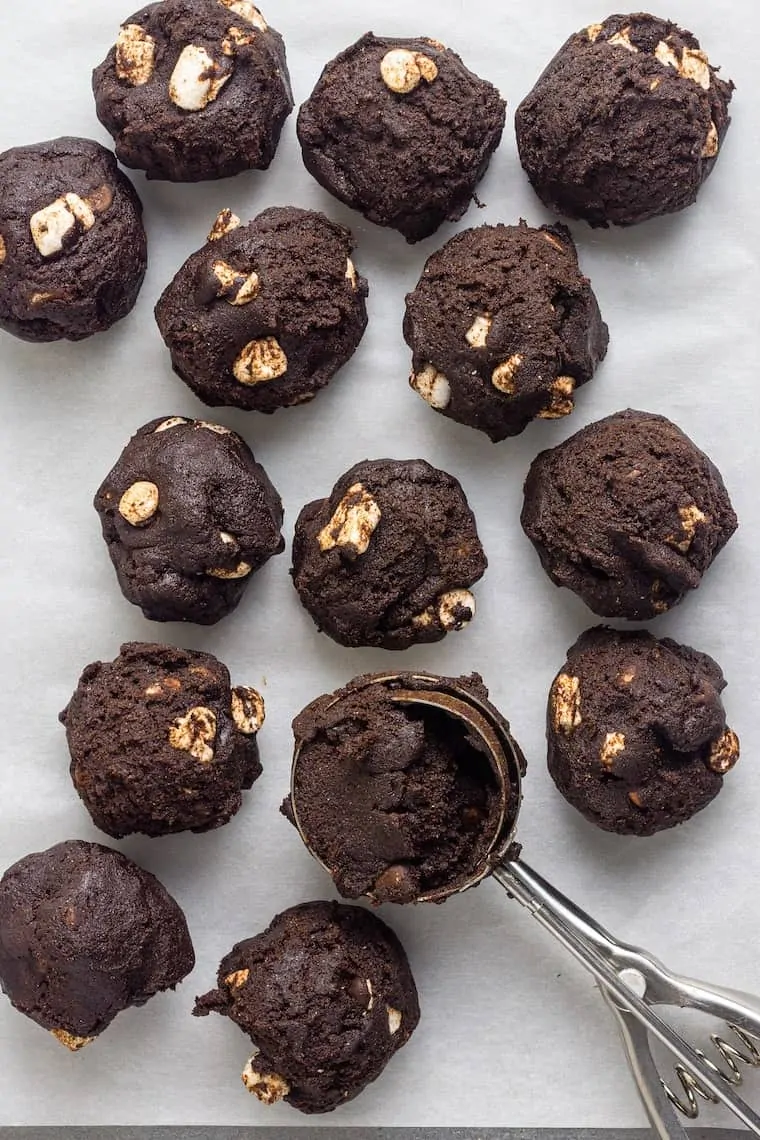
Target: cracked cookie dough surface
387,560
636,730
188,516
628,513
73,250
326,995
195,90
504,328
626,122
396,800
84,934
402,131
265,314
160,742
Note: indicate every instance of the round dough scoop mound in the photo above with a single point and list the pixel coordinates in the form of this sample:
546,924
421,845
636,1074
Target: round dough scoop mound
195,90
504,328
188,516
265,314
73,250
628,513
84,934
637,732
402,131
327,997
625,123
387,560
160,742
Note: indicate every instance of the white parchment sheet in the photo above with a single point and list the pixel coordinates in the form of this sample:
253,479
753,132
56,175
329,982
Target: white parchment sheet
512,1033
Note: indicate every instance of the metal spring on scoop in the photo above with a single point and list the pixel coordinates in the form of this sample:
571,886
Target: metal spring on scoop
732,1074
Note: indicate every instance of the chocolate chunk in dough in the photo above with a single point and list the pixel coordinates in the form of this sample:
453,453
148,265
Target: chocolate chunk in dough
327,997
73,250
194,90
628,513
388,559
504,328
637,732
625,123
264,315
84,934
188,516
160,742
402,131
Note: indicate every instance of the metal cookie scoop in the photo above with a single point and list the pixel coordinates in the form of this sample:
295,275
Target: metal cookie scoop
633,983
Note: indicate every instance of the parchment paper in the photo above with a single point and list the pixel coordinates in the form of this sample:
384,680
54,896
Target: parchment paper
512,1034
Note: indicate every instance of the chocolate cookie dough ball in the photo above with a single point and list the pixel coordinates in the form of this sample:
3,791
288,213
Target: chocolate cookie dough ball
388,559
194,90
405,788
625,123
265,314
637,731
84,934
160,743
188,516
628,513
73,251
400,130
327,997
504,328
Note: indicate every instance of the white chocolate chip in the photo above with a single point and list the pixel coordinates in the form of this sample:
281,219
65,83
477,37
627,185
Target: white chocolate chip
236,38
623,39
712,143
593,31
70,1040
225,223
394,1020
433,386
562,403
3,250
351,274
246,11
135,55
404,70
354,522
196,80
167,425
456,609
242,570
371,993
268,1087
218,429
43,298
503,376
53,223
477,334
435,43
693,63
248,710
237,980
614,744
195,733
260,360
425,619
555,241
238,288
691,517
229,539
139,503
724,753
566,703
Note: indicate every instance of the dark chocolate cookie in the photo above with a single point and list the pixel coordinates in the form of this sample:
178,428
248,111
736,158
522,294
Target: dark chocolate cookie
195,89
73,251
84,934
504,328
397,788
625,123
188,516
637,731
265,314
628,513
160,743
402,131
327,997
387,560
